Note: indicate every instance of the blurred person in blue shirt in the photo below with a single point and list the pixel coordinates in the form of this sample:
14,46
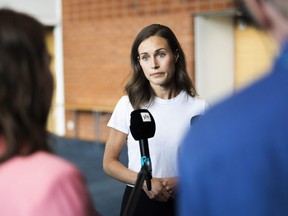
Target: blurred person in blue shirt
234,160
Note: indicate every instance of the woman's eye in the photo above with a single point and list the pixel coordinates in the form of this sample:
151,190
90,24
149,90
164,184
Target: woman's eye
145,58
161,54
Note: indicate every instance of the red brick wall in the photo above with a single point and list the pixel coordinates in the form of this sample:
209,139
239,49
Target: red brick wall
98,35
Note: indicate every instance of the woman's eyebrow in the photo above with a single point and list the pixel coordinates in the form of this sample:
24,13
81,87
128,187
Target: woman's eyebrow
154,51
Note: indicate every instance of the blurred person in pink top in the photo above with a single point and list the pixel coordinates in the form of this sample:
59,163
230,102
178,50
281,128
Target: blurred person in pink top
33,181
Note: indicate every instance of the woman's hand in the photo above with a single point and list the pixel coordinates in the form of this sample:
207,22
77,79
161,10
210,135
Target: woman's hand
170,185
158,192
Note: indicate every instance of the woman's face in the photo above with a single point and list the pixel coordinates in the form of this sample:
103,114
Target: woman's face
157,61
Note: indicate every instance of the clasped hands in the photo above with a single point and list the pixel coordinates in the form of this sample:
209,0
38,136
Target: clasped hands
162,189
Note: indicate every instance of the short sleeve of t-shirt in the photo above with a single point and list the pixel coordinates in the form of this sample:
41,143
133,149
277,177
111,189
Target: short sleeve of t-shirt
120,119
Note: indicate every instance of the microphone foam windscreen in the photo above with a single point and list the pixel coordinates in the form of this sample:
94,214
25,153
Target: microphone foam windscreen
142,124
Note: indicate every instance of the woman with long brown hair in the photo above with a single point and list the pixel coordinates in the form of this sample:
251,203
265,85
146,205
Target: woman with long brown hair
159,83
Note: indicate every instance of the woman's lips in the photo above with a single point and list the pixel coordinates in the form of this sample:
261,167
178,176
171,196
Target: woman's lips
157,74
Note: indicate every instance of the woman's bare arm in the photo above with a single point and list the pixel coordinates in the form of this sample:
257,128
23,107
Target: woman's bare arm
111,164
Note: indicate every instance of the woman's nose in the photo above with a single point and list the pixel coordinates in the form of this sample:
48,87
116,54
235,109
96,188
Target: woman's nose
154,63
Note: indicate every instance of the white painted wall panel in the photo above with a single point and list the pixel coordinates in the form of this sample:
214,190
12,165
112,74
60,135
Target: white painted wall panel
43,10
214,57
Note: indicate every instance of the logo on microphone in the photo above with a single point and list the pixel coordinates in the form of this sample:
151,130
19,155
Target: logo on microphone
145,117
145,160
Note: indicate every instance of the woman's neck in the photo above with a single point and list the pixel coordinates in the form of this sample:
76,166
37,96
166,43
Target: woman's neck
166,93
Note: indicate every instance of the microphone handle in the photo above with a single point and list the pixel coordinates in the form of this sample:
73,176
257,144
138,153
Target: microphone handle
144,149
148,182
145,161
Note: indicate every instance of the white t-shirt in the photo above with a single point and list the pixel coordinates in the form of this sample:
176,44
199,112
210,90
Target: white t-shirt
172,118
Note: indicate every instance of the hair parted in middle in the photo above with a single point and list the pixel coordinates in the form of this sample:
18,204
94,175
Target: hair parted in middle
138,87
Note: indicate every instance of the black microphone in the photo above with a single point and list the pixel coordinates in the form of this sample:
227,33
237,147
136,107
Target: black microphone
142,127
194,119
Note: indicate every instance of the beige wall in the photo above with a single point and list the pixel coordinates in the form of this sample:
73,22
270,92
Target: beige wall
254,52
